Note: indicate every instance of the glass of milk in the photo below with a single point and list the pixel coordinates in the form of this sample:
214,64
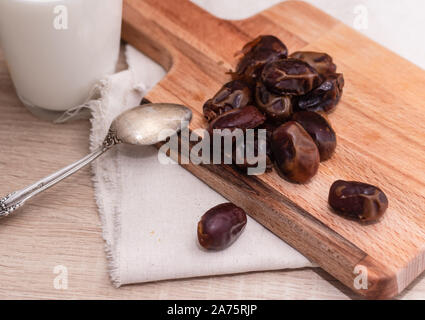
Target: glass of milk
56,50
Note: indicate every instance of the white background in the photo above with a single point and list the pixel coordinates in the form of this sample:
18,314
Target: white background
397,24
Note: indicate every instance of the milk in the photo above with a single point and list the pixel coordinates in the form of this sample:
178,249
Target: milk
56,50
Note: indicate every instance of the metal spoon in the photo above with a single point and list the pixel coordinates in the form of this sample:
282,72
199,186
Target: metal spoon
143,125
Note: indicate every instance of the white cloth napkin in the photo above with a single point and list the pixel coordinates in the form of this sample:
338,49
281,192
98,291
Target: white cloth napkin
150,211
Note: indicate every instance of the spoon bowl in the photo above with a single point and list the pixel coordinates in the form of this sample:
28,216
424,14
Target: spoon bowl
150,123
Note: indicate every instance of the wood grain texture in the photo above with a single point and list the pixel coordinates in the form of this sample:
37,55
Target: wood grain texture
380,125
62,226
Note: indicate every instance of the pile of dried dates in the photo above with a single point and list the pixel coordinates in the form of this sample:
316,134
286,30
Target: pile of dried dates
288,96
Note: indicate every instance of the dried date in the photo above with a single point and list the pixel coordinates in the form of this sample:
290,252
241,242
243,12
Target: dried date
295,154
252,152
234,94
248,117
357,200
220,226
276,107
290,77
257,53
319,128
325,97
320,61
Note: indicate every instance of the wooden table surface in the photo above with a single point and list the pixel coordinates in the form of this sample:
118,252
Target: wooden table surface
62,228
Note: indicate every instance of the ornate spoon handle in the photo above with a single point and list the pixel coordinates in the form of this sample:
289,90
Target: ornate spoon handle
16,199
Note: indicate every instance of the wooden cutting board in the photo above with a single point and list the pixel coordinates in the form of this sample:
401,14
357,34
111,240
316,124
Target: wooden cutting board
380,124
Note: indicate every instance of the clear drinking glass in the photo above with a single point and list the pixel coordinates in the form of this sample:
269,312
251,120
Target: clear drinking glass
56,50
